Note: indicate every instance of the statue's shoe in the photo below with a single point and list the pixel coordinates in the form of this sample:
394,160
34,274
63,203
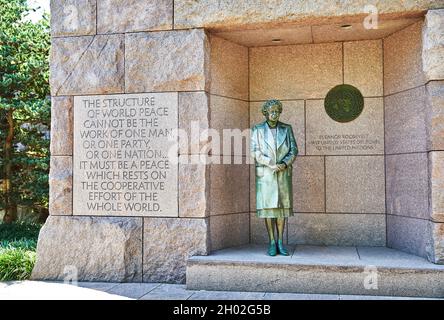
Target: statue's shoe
272,251
282,249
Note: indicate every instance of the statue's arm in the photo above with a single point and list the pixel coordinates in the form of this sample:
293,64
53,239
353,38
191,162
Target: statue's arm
255,150
293,152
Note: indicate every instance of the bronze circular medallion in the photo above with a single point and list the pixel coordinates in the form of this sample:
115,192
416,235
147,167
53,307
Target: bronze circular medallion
344,103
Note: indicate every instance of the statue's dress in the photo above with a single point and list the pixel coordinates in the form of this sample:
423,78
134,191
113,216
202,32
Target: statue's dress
280,211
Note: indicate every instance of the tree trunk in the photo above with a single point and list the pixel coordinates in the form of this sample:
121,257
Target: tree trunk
10,206
43,215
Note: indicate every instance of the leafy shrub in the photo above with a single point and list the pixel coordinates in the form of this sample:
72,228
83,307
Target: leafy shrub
18,242
25,244
16,263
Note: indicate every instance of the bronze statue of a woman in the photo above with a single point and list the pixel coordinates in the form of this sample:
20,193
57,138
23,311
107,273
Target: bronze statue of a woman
274,149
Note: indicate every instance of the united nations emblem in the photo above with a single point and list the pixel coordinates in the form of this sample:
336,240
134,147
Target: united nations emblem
344,103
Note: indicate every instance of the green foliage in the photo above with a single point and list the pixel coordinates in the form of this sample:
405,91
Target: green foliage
18,231
24,91
16,263
25,244
18,242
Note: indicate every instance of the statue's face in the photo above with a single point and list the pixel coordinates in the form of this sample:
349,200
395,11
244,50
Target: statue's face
273,114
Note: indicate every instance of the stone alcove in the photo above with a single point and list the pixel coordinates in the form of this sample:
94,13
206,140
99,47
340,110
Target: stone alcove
374,194
219,60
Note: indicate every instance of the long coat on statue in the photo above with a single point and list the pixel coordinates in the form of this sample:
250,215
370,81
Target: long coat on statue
273,190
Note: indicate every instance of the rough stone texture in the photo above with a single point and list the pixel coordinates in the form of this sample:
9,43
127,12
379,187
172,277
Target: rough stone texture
169,292
115,16
60,186
194,106
73,17
229,69
293,114
229,230
263,37
194,191
436,180
229,192
435,115
402,60
337,229
355,184
168,243
231,114
364,135
333,32
292,72
408,234
61,126
291,34
435,246
407,185
227,295
167,61
65,54
97,68
232,13
405,122
363,66
433,45
322,270
132,290
308,184
100,249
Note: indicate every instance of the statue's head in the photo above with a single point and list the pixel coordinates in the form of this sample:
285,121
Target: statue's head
272,110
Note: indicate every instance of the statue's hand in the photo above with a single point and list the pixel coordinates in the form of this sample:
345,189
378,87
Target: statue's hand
281,166
274,168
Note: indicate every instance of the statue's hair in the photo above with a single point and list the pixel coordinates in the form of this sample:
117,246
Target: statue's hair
269,103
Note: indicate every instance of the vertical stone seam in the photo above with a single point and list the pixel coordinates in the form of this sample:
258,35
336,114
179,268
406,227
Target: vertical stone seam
343,64
429,189
248,148
143,246
124,62
305,127
172,22
73,164
311,33
385,150
325,183
178,156
208,184
97,9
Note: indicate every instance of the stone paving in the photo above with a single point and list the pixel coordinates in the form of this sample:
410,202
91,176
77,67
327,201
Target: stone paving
44,290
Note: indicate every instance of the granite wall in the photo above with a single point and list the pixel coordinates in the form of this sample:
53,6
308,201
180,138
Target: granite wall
229,173
111,47
122,47
414,137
